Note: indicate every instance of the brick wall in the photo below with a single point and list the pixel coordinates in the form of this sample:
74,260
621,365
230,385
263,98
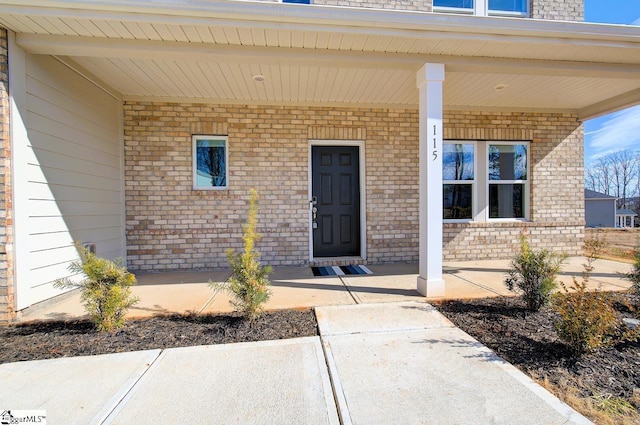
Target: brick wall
558,10
171,226
6,272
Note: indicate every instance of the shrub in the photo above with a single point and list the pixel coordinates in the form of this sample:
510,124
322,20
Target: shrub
587,318
249,281
634,275
533,273
105,290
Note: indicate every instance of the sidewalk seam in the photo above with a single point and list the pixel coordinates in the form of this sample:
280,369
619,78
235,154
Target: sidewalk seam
336,386
487,288
211,298
355,298
108,418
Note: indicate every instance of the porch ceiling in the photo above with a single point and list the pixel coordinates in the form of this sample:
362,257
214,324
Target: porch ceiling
209,50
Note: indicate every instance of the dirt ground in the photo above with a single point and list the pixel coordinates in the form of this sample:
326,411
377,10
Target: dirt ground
620,242
51,339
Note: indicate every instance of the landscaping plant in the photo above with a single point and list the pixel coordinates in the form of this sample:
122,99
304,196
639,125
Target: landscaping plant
533,273
634,275
249,281
587,318
105,290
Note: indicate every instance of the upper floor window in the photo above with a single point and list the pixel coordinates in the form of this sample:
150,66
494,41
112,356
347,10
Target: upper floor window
484,7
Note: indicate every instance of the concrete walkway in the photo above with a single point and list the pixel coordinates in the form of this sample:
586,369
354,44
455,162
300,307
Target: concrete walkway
296,287
380,363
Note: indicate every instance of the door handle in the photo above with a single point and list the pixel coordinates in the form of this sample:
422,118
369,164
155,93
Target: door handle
314,212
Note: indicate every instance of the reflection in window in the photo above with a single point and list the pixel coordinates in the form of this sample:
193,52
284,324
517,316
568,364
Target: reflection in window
519,6
508,180
457,201
458,4
458,176
210,162
507,162
506,201
457,161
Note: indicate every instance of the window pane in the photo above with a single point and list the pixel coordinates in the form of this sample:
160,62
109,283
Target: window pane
507,162
458,201
506,201
211,163
508,5
457,162
461,4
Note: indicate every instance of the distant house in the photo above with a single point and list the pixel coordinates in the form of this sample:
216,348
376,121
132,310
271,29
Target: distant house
625,218
599,209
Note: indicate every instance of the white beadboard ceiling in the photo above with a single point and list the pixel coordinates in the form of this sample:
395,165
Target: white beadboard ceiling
326,55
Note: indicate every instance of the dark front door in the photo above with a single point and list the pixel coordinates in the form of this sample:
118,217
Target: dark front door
335,185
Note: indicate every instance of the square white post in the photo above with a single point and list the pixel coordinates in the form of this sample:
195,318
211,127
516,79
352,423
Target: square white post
429,81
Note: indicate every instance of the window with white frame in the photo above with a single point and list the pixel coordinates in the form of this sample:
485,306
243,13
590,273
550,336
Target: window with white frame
484,7
485,181
210,162
458,178
507,179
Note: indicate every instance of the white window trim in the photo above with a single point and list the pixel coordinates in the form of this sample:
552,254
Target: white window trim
474,182
527,184
481,8
194,160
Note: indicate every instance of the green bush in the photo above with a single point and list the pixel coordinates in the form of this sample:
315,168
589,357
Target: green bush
249,281
105,290
587,319
533,274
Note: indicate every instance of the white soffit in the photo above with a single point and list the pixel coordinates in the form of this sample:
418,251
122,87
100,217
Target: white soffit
209,50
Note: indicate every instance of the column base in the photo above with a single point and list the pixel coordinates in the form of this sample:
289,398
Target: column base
431,288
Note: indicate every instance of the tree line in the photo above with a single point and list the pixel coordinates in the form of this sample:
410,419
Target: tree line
616,174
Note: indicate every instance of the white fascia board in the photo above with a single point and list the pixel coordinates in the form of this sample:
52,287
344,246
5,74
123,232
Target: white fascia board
330,18
617,103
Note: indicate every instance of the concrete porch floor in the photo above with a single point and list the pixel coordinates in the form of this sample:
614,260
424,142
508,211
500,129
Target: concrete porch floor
296,287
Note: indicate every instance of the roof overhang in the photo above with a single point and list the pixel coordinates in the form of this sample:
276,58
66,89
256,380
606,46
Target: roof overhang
308,54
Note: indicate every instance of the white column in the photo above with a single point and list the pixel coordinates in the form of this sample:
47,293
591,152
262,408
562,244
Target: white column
429,80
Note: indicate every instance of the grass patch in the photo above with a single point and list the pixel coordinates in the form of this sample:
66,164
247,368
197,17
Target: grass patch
603,409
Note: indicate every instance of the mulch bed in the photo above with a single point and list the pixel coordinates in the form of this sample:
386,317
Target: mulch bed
51,339
528,341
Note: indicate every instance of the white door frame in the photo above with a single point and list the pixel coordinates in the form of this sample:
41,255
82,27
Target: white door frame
360,144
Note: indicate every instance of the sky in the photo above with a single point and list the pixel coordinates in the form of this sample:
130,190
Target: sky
619,130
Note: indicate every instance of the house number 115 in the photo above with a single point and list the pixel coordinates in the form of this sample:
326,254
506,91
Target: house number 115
435,145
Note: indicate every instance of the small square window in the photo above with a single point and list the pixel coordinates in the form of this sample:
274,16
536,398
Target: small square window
210,162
